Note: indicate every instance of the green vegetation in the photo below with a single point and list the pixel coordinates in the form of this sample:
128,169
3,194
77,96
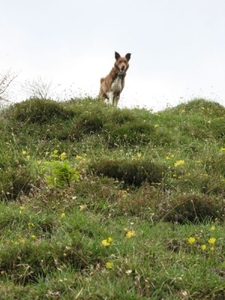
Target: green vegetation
104,203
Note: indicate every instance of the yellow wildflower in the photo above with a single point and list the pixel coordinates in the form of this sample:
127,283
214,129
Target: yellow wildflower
130,233
24,152
110,239
191,240
203,247
223,149
22,240
212,227
107,242
109,265
212,241
33,236
63,215
179,163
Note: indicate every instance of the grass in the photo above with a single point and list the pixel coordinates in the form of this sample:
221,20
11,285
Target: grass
104,203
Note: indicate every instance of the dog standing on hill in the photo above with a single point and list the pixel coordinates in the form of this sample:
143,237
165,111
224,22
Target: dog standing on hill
112,85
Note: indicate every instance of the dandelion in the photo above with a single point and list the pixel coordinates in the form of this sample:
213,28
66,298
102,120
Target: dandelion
107,242
22,208
212,241
191,240
33,236
212,227
179,163
130,233
24,152
203,247
212,248
223,149
109,265
63,215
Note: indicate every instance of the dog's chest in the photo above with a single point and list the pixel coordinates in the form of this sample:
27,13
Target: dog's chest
117,84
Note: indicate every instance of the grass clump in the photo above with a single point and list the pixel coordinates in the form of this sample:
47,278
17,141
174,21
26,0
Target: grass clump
131,172
98,202
39,111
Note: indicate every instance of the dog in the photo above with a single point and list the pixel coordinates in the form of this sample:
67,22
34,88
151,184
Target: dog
112,85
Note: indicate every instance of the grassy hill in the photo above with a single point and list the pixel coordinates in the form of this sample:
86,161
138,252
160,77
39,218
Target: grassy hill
104,203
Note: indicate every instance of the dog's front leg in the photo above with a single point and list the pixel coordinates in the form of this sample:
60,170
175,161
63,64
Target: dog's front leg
116,100
110,97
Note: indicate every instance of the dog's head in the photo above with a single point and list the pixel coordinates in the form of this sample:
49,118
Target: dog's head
121,63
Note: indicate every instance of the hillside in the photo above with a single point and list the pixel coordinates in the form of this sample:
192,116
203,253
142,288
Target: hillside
106,203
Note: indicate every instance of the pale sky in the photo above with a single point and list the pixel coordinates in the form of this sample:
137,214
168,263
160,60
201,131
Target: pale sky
177,46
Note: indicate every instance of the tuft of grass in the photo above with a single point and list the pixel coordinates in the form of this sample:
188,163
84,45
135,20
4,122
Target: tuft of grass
131,172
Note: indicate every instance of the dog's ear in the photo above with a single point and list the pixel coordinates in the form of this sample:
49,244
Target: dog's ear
117,55
128,55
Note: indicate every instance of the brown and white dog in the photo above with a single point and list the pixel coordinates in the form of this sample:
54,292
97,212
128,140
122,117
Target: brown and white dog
112,85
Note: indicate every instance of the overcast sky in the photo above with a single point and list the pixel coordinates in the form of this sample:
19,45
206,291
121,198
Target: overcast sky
177,46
